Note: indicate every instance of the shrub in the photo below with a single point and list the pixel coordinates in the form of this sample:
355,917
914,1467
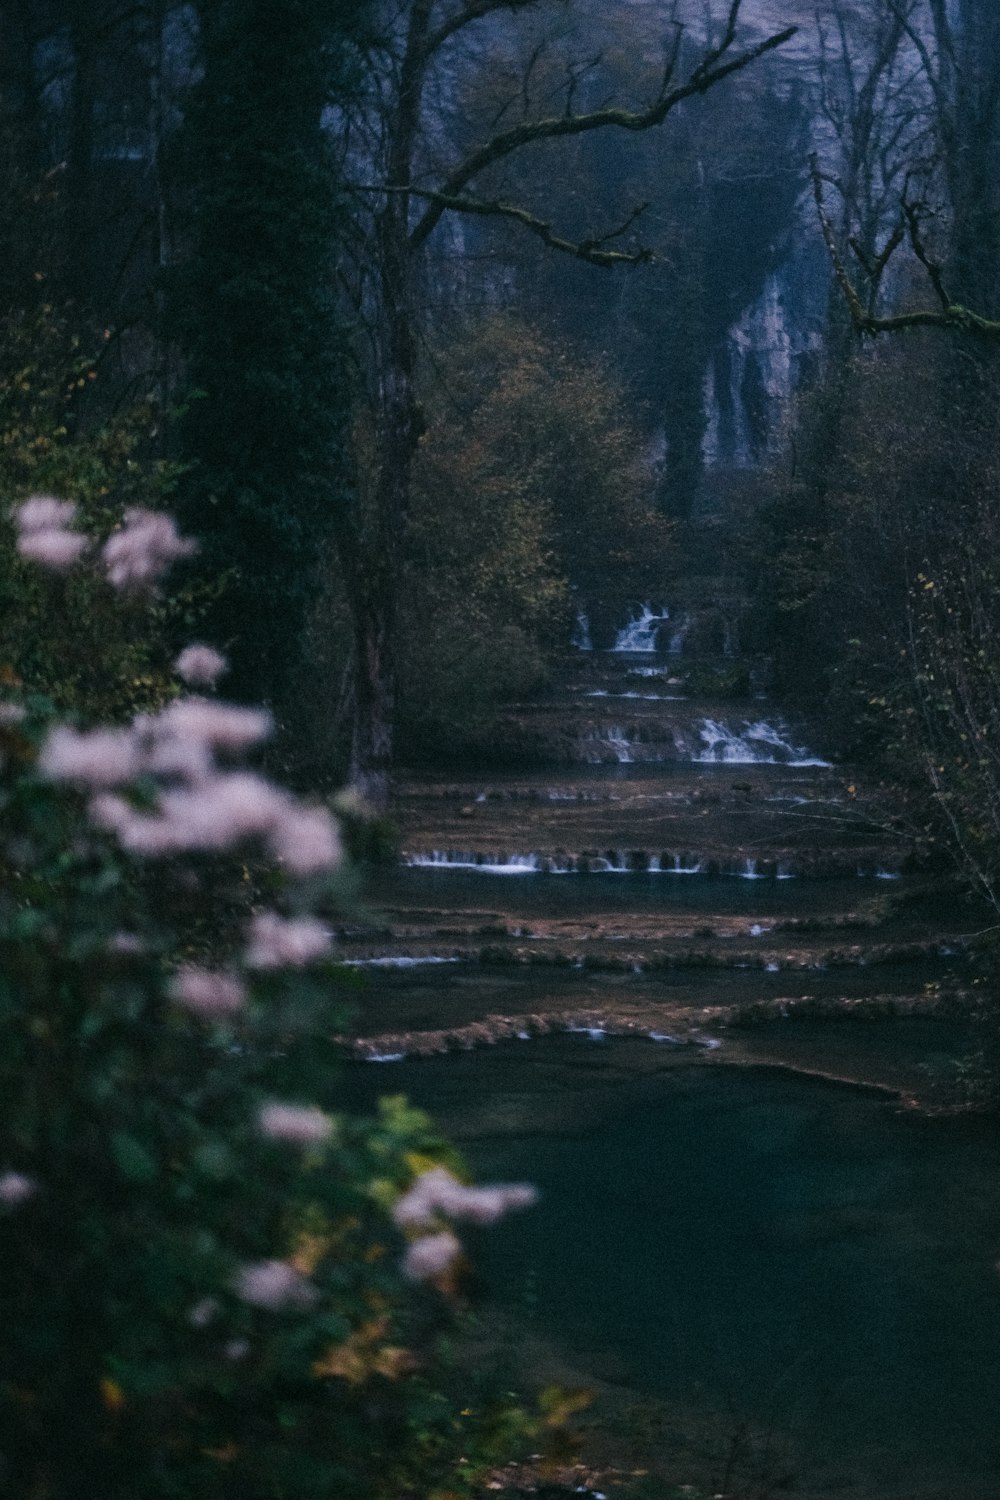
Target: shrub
202,1290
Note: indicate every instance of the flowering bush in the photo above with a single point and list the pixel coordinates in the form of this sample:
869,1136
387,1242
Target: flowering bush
204,1262
91,648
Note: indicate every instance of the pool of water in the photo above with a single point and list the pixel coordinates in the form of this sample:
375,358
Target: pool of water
545,895
751,1246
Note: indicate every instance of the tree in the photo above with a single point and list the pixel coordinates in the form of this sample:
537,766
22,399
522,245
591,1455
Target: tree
407,180
920,178
254,311
529,502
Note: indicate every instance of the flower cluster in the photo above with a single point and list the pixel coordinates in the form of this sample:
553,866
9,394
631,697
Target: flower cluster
138,556
44,534
200,666
200,805
134,558
173,784
275,1286
286,943
295,1124
439,1194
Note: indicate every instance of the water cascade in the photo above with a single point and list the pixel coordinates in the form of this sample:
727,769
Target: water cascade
755,744
641,634
678,636
581,635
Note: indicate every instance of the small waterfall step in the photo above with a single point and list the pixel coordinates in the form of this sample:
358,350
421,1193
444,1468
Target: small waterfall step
647,844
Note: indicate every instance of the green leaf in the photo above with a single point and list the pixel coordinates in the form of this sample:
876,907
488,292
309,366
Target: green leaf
131,1157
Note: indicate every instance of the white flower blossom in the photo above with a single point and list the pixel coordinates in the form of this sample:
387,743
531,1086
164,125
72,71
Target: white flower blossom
204,1312
15,1188
219,726
296,1124
201,666
53,549
95,758
431,1256
286,942
216,815
44,513
211,993
137,556
275,1286
440,1192
129,944
306,840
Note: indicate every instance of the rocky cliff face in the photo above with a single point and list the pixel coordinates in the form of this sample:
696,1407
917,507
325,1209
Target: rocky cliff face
774,344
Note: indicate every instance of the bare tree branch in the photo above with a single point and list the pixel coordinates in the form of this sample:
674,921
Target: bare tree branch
912,212
703,78
591,250
951,315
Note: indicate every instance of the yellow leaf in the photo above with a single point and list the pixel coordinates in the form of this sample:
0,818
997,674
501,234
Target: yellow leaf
308,1252
363,1355
112,1395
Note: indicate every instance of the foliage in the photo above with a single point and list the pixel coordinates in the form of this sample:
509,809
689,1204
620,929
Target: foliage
72,638
200,1292
730,159
880,566
529,502
254,314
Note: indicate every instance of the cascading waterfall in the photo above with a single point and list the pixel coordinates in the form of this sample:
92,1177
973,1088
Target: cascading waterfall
641,697
515,864
619,744
581,635
755,744
641,633
679,636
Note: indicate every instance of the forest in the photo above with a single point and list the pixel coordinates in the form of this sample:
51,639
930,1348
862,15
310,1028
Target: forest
499,749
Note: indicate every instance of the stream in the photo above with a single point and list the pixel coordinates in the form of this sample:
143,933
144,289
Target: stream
705,1003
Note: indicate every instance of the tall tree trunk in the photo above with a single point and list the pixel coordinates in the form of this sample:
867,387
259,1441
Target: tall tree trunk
374,570
80,165
374,693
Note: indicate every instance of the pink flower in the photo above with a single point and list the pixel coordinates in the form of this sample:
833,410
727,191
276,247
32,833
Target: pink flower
15,1188
53,549
12,714
137,556
279,942
217,814
305,840
431,1256
296,1124
274,1285
200,666
43,513
220,726
178,759
99,757
128,944
210,993
204,1312
222,812
439,1192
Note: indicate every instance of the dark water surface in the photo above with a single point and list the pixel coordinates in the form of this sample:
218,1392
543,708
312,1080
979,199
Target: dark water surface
578,895
749,1245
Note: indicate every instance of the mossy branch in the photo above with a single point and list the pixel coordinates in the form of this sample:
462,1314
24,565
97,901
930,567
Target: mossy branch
949,315
713,67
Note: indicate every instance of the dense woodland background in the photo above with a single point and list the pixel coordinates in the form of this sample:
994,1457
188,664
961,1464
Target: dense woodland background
439,324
